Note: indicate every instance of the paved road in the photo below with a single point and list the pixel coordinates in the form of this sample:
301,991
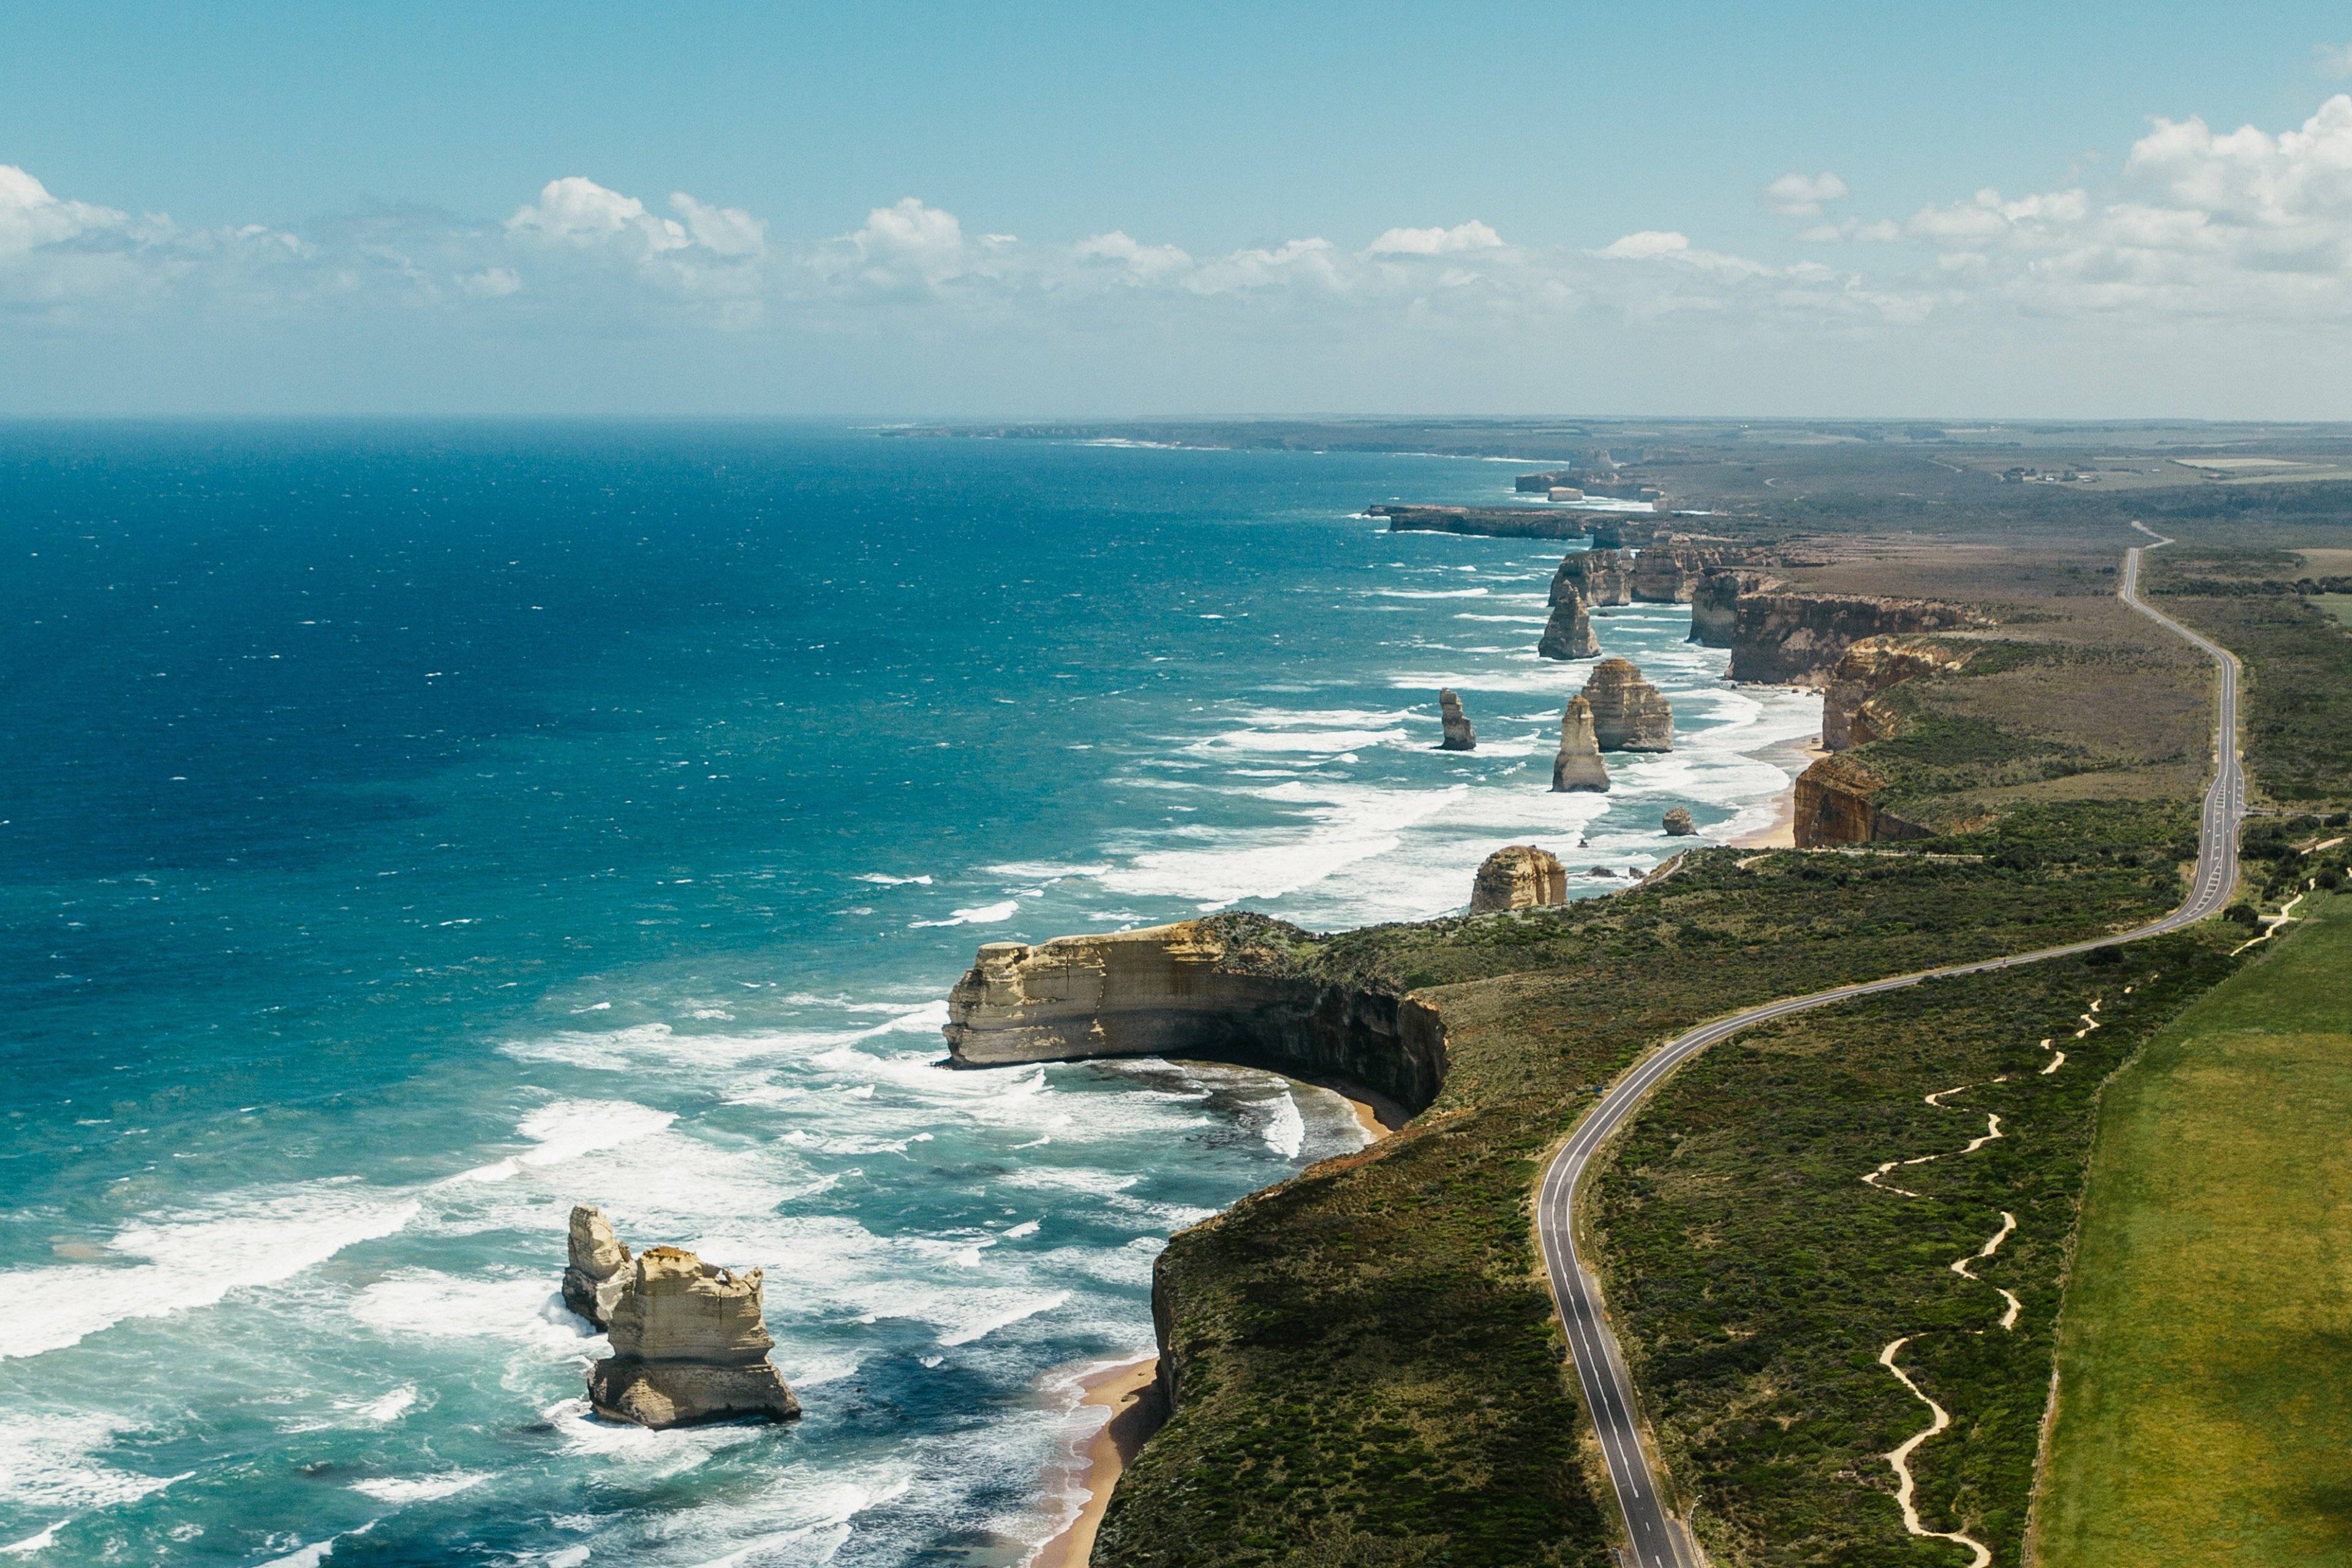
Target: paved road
1655,1537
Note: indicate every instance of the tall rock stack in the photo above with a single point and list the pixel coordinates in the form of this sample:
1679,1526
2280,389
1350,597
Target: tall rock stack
597,1270
1629,714
1459,736
1518,877
1578,766
689,1346
1569,633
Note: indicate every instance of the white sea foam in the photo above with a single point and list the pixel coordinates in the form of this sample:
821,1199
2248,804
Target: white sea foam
883,879
1429,593
1351,823
401,1489
989,1310
570,1128
193,1258
386,1409
981,915
1286,1129
426,1303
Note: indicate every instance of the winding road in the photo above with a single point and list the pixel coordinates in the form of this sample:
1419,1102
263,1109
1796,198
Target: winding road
1655,1537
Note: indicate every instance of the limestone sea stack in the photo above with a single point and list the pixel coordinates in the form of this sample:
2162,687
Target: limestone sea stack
1569,633
1678,824
689,1346
1518,877
1578,766
1629,714
1599,577
1459,736
598,1269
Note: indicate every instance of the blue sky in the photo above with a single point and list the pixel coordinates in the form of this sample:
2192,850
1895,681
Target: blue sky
324,208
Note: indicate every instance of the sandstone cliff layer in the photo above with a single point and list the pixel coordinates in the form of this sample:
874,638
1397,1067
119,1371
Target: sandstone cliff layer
1678,824
1629,714
689,1345
1578,765
1795,639
1837,803
598,1267
1500,521
1219,988
1715,603
1851,714
1600,577
1518,877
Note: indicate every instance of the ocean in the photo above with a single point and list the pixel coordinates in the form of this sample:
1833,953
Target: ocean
409,830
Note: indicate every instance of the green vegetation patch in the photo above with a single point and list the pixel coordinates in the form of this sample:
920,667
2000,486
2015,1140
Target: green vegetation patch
2298,708
1368,1364
1756,1278
2205,1356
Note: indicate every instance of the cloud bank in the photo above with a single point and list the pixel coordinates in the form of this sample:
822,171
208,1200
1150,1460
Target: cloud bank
2243,235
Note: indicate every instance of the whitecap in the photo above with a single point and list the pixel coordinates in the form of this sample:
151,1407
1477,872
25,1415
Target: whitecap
567,1129
401,1489
983,914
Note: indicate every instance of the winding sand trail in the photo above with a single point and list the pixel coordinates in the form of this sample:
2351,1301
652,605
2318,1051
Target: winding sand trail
1900,1461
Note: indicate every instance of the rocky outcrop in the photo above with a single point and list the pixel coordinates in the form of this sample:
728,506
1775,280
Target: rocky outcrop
1518,877
1715,604
1678,824
1578,766
1836,804
1600,577
1459,736
598,1269
1629,714
1606,532
1500,521
1851,715
1221,988
689,1345
1569,633
1789,638
1664,573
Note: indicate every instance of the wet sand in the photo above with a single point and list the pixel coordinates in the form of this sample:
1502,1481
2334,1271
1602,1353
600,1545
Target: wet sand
1132,1398
1792,757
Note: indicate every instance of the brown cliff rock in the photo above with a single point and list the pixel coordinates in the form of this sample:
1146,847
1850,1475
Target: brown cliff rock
1789,638
1606,532
1499,521
1715,603
1459,736
1629,714
689,1346
1518,877
598,1267
1600,577
1578,766
1569,633
1678,824
1221,988
1865,671
1836,804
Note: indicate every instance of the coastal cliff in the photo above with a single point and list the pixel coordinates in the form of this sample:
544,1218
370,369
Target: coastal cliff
1224,988
1837,803
1715,604
1601,578
1795,639
1499,521
1851,713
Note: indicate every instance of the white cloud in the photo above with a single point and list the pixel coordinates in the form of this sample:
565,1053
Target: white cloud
2334,59
30,216
722,231
1648,244
1803,195
1471,236
1136,263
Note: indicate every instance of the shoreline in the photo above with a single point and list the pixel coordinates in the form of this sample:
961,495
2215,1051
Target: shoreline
1792,757
1129,1390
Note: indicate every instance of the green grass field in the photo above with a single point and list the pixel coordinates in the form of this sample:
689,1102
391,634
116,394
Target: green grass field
2205,1350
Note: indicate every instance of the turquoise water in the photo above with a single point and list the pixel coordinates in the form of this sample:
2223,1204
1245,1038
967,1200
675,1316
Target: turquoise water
411,831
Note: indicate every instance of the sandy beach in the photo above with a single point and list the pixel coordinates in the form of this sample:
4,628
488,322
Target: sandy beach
1792,757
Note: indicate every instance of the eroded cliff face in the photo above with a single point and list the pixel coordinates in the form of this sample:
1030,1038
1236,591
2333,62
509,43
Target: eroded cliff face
1837,803
1577,765
1458,736
1715,603
1795,639
1600,577
1500,521
1219,989
1851,715
690,1344
1629,714
1567,633
1518,877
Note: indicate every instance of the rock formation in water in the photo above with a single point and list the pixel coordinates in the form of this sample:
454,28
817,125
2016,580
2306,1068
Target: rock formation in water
1227,987
1664,572
1791,638
1578,766
1569,633
1459,736
1629,714
1678,824
1500,521
1606,532
1600,577
689,1346
1837,803
1518,877
598,1268
1851,713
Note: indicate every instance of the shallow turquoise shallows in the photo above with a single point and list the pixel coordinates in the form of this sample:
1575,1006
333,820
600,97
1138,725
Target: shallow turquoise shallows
412,830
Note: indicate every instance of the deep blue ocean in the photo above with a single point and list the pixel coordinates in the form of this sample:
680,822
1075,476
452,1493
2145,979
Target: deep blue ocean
407,831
